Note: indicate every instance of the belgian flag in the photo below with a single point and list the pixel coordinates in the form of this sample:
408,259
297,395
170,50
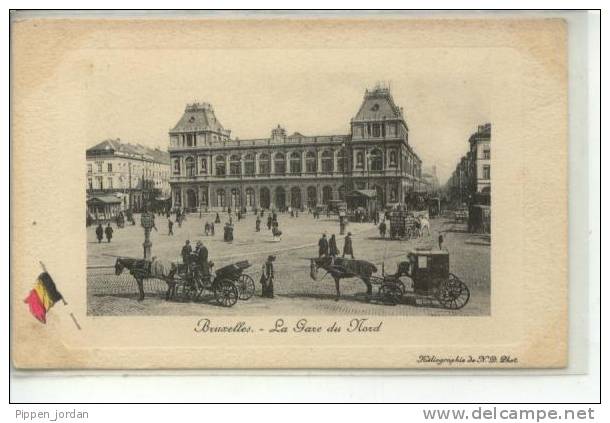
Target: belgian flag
43,297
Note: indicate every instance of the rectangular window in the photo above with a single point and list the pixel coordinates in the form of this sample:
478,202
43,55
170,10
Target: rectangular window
109,183
189,140
109,167
100,182
90,183
486,172
360,159
486,154
376,130
249,168
221,168
100,167
89,168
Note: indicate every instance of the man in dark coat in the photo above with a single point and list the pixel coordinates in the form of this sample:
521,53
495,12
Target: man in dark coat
347,246
258,224
333,250
99,232
267,276
323,246
382,228
186,255
269,222
202,258
170,226
109,232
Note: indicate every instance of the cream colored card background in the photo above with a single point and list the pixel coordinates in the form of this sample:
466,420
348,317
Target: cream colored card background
526,73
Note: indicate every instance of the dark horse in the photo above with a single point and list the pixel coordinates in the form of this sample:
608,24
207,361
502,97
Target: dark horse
340,268
142,269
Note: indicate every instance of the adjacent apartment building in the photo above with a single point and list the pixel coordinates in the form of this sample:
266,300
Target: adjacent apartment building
131,172
471,180
210,170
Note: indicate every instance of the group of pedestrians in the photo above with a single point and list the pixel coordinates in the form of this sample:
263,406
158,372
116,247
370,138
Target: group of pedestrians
196,262
100,231
328,247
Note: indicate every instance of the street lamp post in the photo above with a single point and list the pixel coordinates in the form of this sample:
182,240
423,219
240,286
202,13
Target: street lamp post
147,222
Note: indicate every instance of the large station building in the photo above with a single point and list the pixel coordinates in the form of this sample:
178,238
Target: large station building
210,170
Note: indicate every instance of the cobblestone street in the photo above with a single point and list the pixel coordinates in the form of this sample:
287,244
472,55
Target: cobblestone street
296,293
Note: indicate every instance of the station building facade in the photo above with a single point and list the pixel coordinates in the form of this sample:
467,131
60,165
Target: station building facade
210,170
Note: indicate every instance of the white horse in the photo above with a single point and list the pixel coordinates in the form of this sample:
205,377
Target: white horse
424,223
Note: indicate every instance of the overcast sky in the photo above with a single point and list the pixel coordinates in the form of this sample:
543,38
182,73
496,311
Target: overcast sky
140,94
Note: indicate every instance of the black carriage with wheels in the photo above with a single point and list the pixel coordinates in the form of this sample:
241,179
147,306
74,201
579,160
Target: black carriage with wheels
243,282
429,271
228,285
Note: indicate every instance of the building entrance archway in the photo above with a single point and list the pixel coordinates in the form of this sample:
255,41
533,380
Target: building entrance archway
191,199
295,198
265,198
280,198
312,197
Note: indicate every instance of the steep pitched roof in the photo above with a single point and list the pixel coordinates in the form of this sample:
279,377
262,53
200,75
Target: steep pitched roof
197,117
378,104
111,146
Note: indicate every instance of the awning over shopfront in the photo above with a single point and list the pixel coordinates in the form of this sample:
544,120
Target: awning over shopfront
363,193
103,200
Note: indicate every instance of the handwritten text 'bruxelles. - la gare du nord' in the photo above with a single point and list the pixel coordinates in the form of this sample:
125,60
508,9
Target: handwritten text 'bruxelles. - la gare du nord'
356,325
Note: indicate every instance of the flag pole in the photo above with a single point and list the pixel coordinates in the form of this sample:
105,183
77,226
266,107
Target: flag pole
44,269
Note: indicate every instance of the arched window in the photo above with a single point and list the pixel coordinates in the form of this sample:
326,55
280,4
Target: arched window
376,160
341,161
393,159
221,166
360,159
249,164
220,198
295,162
327,162
189,164
264,166
310,162
280,164
234,165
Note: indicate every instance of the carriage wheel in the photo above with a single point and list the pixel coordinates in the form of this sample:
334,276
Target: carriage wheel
226,293
245,285
390,294
453,293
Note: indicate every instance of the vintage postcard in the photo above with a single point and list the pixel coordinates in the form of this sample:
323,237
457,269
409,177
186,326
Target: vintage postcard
288,192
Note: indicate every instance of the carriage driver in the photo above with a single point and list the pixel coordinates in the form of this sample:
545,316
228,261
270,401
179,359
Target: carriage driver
186,255
201,253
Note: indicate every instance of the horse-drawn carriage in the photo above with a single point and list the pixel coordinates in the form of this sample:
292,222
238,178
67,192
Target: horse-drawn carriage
189,284
429,272
228,285
427,269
